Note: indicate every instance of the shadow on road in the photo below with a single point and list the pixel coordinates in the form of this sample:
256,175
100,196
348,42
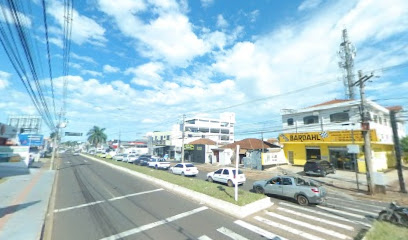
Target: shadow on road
15,208
221,188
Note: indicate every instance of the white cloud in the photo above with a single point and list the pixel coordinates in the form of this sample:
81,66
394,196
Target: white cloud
56,41
85,30
110,69
221,22
6,16
92,73
206,3
4,79
83,58
309,4
147,75
167,36
253,15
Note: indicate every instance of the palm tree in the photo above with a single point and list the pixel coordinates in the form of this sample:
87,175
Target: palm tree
96,136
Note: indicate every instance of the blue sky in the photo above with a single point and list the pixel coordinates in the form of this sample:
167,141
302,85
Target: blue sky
138,66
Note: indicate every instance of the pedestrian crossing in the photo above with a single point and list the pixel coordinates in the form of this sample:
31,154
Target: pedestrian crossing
338,218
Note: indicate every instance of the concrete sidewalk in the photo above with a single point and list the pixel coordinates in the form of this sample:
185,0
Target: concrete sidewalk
24,201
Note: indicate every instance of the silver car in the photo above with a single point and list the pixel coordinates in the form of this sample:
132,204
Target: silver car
303,190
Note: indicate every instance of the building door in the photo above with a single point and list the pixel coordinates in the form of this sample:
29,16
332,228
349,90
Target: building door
341,159
290,157
313,153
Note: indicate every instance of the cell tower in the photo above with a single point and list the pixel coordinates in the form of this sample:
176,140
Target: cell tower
347,54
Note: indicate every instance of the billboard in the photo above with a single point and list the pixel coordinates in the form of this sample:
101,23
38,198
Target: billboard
31,139
28,124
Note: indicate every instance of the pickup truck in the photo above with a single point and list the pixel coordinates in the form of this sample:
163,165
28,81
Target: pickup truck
159,163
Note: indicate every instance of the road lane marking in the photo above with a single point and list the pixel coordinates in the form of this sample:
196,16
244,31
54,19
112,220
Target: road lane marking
288,229
355,202
259,230
231,234
204,237
330,215
154,224
102,201
354,209
342,212
325,221
310,226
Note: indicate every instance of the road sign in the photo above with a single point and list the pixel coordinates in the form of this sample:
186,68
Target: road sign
353,148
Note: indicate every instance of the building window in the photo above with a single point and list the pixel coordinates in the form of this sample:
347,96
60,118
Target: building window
339,117
310,120
375,118
385,122
168,137
290,121
215,130
204,130
191,121
380,120
225,131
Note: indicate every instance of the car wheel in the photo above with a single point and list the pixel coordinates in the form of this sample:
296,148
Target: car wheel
182,174
230,184
302,200
210,179
259,189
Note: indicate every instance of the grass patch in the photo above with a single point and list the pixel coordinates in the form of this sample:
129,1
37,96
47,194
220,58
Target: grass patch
386,231
222,192
2,180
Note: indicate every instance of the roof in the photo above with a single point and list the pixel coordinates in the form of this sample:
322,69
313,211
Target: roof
204,141
250,144
331,102
394,108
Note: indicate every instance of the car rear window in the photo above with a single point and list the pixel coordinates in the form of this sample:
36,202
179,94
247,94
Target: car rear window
189,165
239,172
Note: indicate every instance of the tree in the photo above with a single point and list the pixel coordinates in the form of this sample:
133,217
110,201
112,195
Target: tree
404,144
96,136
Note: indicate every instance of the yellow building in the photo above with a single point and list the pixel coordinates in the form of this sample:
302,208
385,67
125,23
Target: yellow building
333,147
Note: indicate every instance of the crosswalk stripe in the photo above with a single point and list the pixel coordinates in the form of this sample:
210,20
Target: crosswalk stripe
259,230
341,212
354,209
355,202
310,226
204,237
288,229
330,215
317,219
231,234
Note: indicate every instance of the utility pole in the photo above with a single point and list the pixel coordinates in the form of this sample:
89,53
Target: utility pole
365,125
182,140
347,54
397,151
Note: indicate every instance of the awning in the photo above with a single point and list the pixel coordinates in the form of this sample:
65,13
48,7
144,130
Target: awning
242,151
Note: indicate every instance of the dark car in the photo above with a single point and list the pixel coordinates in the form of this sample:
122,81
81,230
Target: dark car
142,160
318,167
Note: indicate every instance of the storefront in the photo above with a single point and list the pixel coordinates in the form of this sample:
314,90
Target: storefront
332,146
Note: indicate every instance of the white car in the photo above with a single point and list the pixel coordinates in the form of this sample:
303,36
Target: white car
103,155
131,158
184,169
118,157
159,163
227,175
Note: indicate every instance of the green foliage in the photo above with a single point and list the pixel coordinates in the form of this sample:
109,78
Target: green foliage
96,136
404,144
386,231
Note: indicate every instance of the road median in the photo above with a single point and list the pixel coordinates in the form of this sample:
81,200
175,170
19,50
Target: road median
213,195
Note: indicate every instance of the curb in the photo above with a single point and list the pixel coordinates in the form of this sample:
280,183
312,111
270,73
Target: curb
223,206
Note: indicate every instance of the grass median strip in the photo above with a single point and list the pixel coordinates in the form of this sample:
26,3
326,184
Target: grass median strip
386,231
215,190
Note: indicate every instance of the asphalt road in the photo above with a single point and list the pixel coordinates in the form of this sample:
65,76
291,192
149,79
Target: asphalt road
94,201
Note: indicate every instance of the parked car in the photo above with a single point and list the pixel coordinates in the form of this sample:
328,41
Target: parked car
318,167
303,190
228,176
118,157
159,163
144,161
103,155
131,158
184,169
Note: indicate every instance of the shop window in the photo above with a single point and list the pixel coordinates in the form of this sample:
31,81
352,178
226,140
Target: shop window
339,117
290,121
313,153
310,120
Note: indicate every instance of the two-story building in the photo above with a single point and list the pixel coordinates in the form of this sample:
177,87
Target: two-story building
324,131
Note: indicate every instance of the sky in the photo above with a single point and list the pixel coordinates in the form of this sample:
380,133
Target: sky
138,66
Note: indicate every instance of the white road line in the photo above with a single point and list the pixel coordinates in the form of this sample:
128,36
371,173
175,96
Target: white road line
355,202
310,226
102,201
342,212
325,221
288,229
204,237
354,209
330,215
231,234
259,230
154,224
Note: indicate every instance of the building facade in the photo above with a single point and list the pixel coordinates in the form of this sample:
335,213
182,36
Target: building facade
325,131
